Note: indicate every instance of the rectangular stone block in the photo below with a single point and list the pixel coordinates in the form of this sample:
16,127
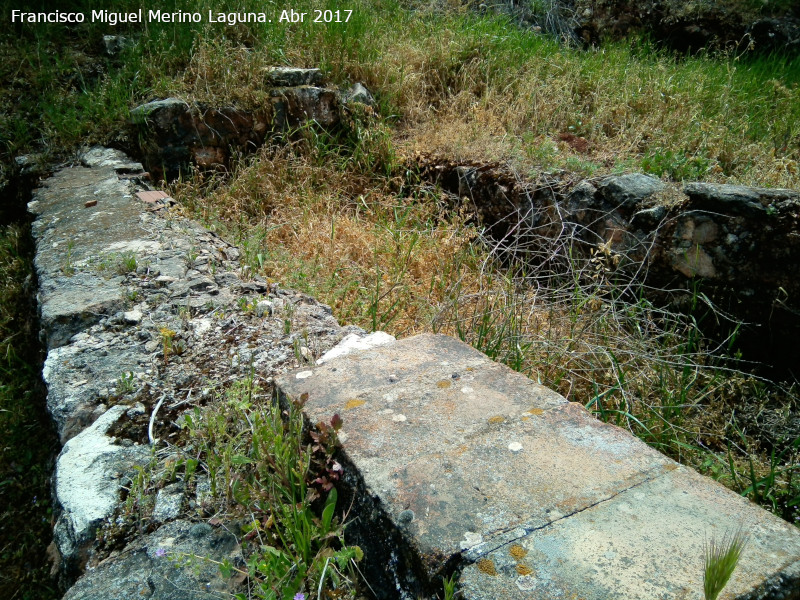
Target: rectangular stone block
646,542
461,453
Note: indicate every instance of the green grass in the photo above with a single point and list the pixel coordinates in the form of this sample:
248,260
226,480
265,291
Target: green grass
455,82
28,442
721,558
273,475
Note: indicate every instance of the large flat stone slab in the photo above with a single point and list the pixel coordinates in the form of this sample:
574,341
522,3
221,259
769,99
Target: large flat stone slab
646,542
452,459
463,453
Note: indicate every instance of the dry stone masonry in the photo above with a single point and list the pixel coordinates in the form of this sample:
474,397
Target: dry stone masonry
176,134
140,309
452,463
740,244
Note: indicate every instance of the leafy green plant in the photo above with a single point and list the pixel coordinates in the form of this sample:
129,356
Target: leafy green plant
126,383
67,266
676,165
449,584
721,559
139,498
246,304
287,321
127,263
779,489
262,466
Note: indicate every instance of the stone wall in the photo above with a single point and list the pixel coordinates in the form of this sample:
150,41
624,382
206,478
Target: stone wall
740,244
145,314
174,134
766,27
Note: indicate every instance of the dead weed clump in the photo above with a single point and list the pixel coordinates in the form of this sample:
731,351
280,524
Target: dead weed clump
380,259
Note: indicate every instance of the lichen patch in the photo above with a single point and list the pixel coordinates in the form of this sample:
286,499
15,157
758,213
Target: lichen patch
354,403
486,566
524,569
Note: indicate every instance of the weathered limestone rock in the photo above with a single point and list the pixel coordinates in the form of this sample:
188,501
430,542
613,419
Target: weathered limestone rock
155,567
292,76
628,191
359,93
89,472
114,44
162,114
83,374
453,461
168,503
353,343
741,200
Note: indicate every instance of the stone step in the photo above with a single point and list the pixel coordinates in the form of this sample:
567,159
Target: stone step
453,462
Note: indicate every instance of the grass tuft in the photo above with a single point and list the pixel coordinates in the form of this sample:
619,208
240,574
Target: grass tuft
721,559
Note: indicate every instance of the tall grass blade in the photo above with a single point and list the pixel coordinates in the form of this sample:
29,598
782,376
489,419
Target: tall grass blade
721,559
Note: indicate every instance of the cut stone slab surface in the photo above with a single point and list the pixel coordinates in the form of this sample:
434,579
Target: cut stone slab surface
451,458
81,376
71,296
463,453
646,542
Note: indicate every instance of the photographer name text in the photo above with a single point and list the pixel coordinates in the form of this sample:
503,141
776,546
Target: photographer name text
158,16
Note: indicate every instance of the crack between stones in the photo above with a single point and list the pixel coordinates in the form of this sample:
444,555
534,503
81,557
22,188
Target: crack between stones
498,540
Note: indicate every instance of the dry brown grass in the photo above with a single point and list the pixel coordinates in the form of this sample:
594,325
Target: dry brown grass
376,257
386,254
393,256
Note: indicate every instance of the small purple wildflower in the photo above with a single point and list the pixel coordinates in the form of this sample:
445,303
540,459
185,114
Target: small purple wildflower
161,552
299,596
